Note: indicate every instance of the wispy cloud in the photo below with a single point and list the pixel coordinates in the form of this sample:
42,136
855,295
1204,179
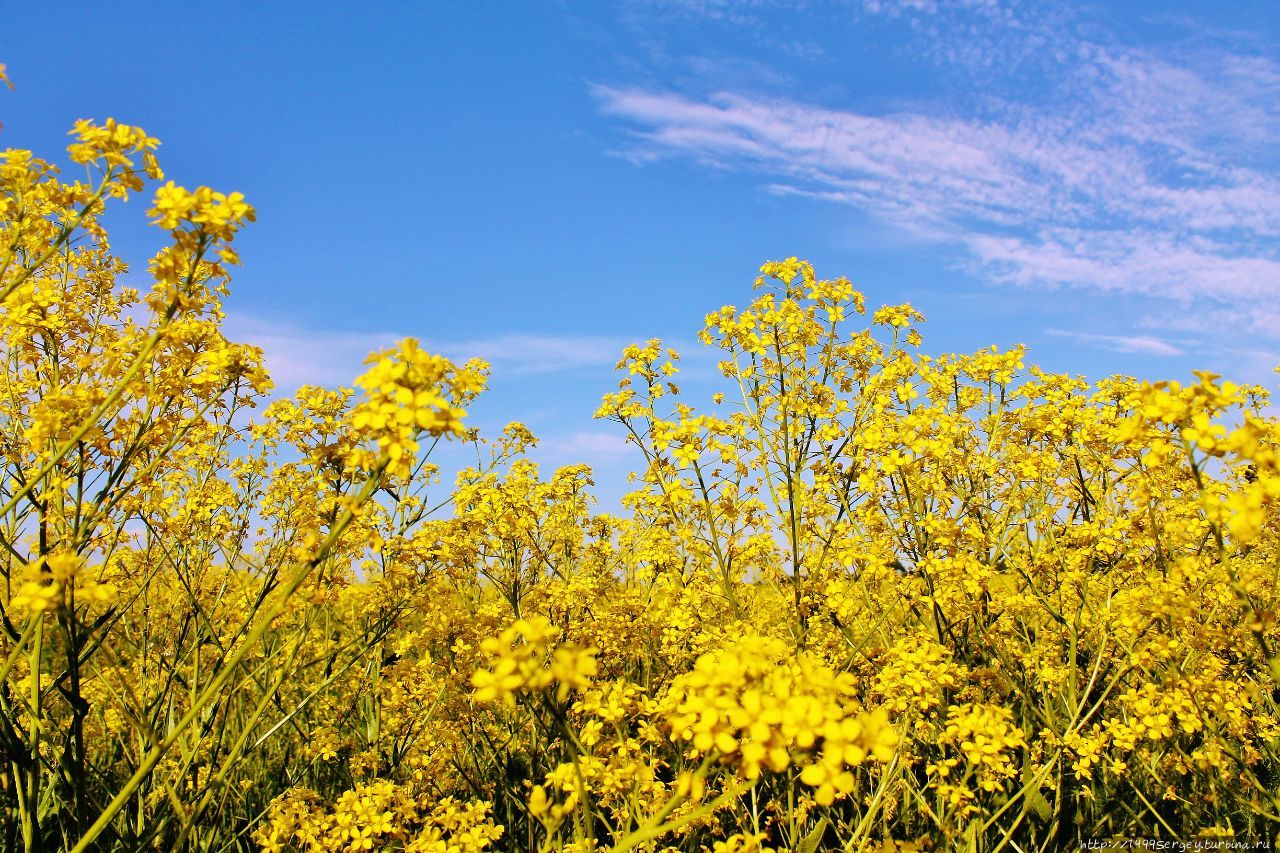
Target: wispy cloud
299,356
1242,323
739,12
1132,173
598,448
1140,344
524,354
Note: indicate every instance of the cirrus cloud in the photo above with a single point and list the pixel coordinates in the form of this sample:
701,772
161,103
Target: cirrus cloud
1134,172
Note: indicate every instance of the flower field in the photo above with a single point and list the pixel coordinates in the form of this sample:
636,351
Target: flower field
864,598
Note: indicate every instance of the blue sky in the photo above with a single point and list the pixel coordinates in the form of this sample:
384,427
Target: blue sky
543,183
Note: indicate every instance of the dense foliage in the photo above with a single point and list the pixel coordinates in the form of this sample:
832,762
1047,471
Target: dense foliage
864,599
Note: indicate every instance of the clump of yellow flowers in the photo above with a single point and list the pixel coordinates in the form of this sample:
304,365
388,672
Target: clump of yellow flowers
862,597
522,658
56,580
755,704
409,393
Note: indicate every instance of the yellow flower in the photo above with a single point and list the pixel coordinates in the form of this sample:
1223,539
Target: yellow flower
37,596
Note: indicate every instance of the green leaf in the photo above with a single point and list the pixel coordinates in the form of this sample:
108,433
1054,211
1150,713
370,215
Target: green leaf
810,842
1040,805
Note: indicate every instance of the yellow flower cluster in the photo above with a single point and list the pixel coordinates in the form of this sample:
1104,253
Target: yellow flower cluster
525,657
848,743
1254,449
115,145
409,392
59,579
914,676
376,816
746,703
218,215
985,738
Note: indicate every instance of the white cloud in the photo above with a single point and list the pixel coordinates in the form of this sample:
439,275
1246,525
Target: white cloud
298,356
524,354
594,447
1130,174
1140,344
1238,326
